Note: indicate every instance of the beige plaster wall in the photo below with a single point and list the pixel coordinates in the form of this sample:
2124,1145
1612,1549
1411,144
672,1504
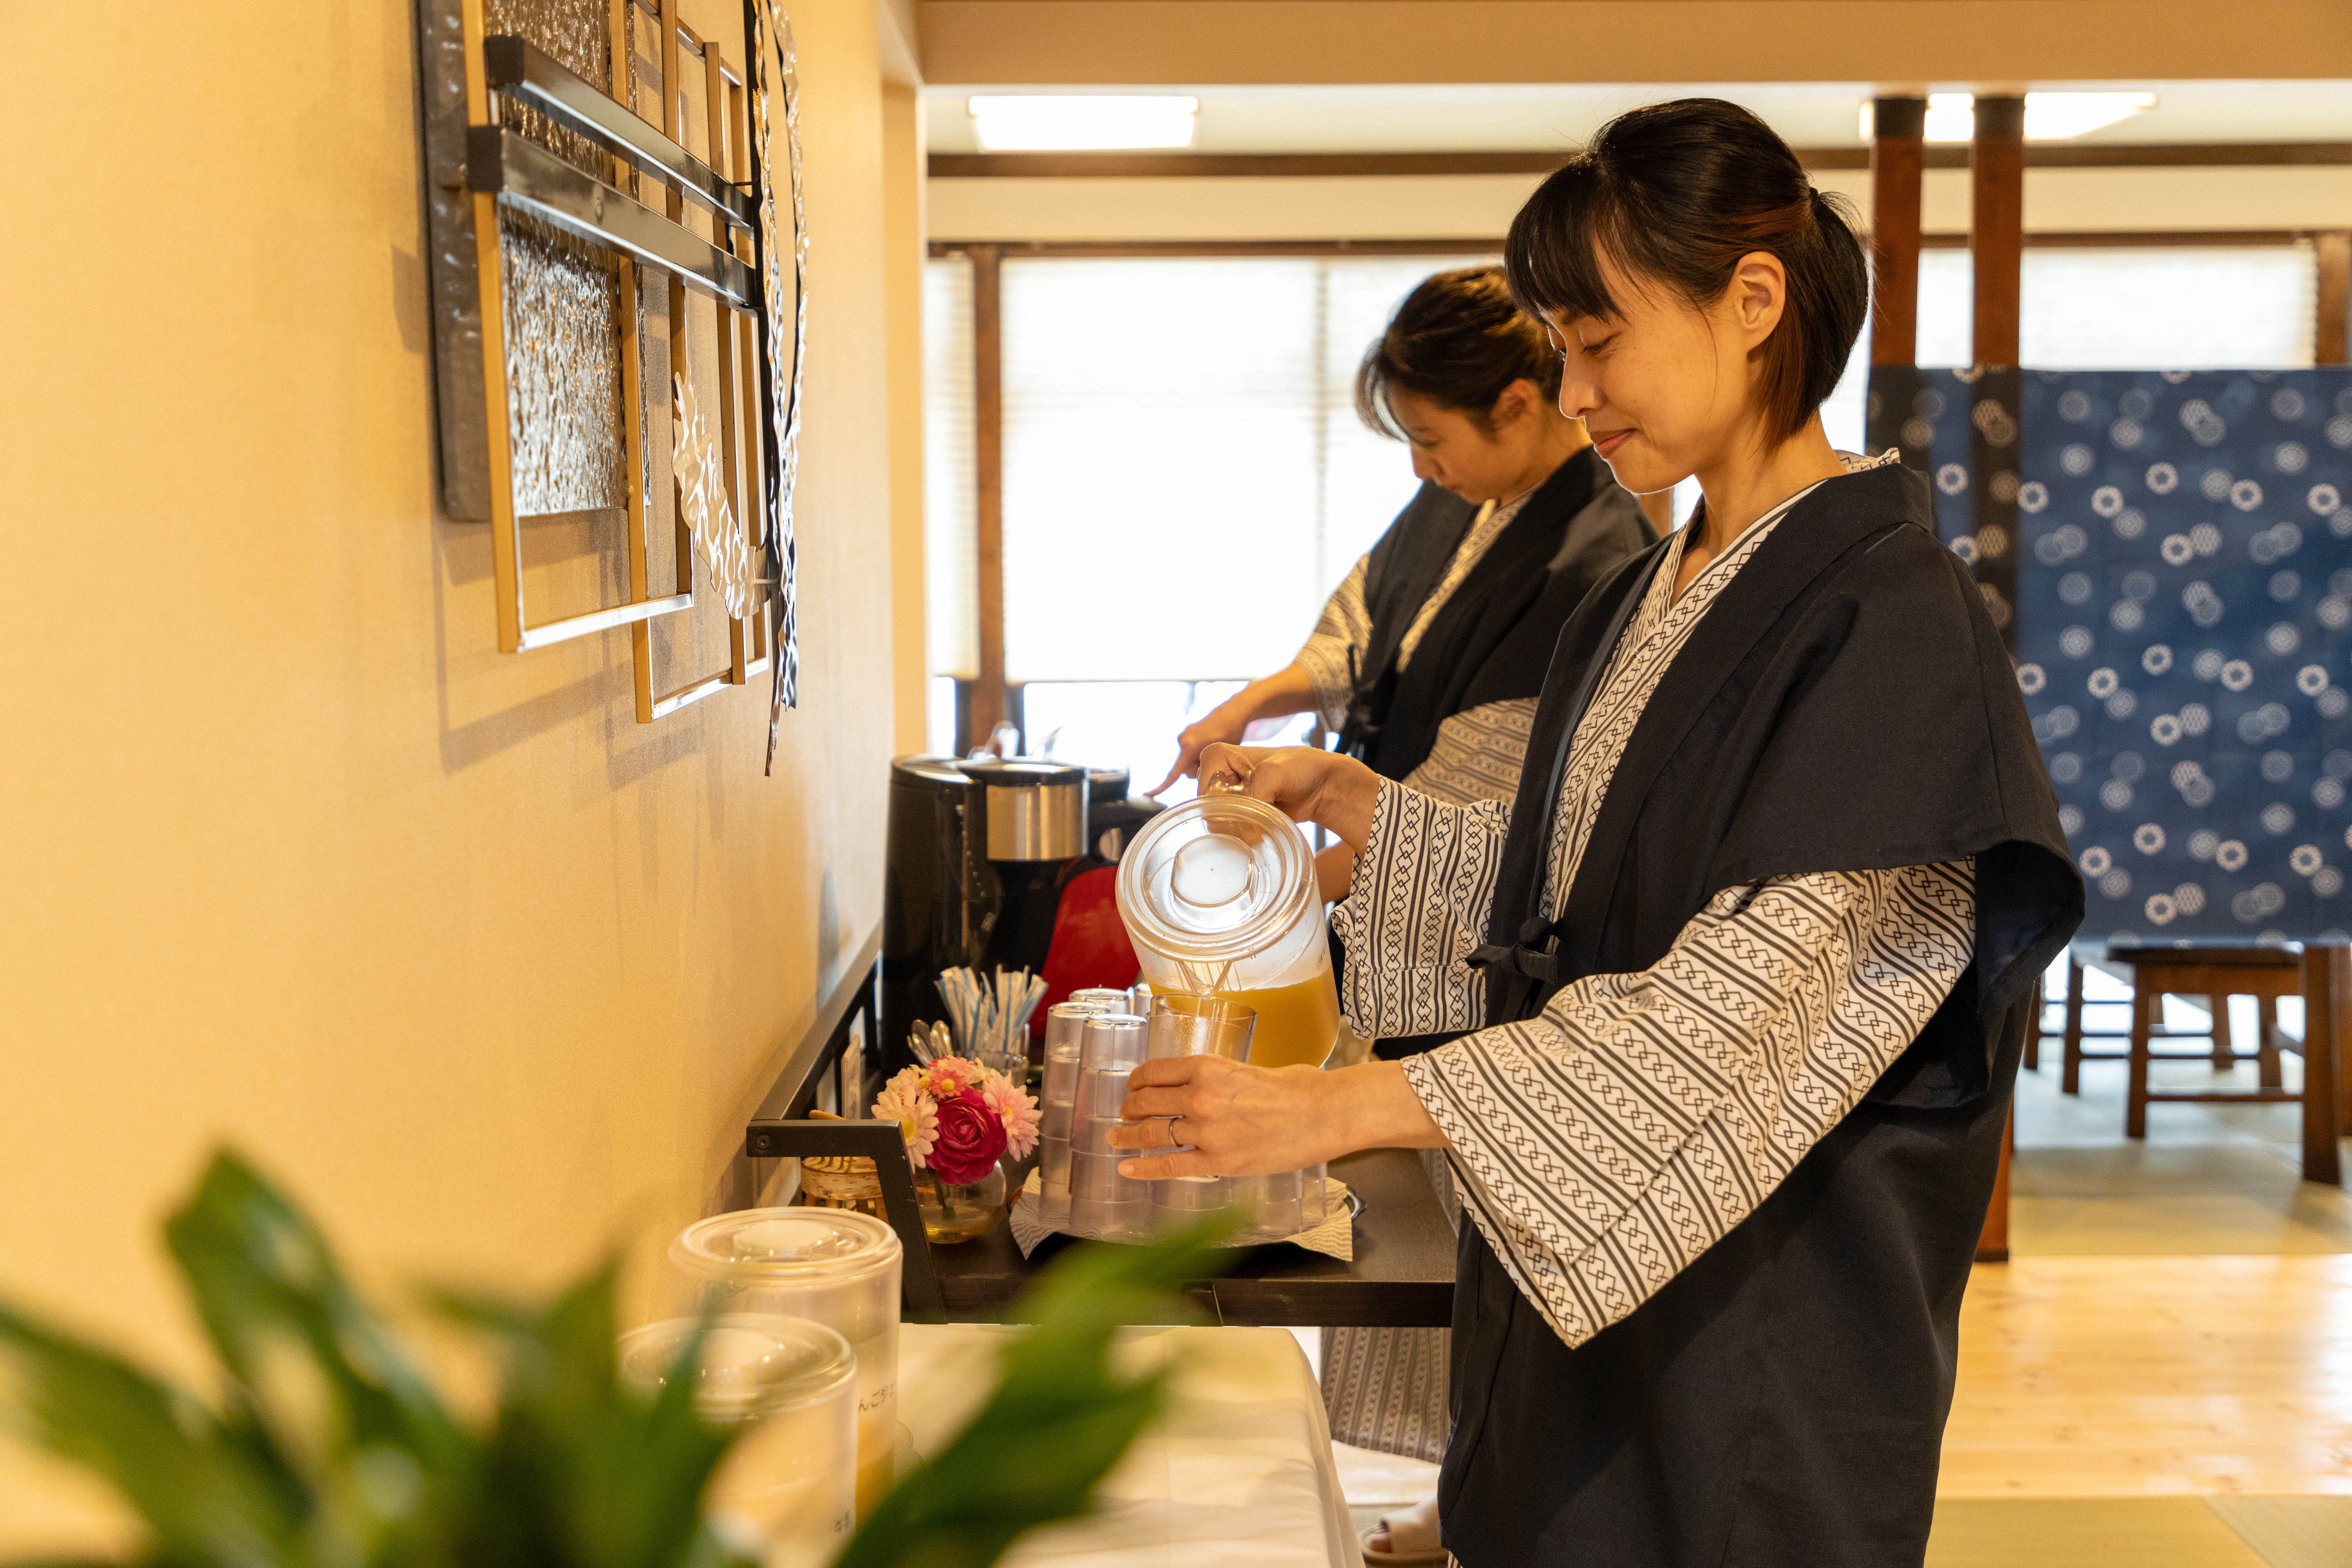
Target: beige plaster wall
292,857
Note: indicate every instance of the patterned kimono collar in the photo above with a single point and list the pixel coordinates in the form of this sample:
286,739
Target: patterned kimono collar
1719,570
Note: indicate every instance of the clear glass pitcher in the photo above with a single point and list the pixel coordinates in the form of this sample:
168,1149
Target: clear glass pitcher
1218,895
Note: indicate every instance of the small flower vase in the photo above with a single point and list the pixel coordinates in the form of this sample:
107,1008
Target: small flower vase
959,1211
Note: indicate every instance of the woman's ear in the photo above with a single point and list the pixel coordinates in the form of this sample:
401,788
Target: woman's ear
1512,404
1757,295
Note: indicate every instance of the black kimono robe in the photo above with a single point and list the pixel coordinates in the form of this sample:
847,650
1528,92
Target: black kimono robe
1843,706
1490,639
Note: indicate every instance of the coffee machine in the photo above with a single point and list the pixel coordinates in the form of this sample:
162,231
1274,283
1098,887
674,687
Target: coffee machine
977,856
981,855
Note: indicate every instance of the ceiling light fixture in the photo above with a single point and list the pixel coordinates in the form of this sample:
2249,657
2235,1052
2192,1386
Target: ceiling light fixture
1067,122
2049,116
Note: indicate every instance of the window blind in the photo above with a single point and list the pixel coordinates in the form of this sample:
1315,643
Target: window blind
1185,478
951,522
2131,308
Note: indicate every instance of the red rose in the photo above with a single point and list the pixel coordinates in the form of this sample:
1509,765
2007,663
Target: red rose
971,1137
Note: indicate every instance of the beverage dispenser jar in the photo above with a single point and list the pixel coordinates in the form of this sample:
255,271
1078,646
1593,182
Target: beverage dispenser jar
833,1266
790,1387
1219,897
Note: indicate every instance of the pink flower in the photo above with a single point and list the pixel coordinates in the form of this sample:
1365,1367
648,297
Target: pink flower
971,1139
1016,1109
903,1101
951,1075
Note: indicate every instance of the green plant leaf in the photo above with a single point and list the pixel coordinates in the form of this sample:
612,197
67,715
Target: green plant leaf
588,1470
266,1284
1059,1419
208,1499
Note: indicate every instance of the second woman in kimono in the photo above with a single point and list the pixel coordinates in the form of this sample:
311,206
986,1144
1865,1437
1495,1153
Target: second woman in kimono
1428,656
1740,976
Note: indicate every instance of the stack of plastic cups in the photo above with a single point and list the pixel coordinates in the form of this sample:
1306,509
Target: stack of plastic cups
1107,998
1104,1203
833,1266
1138,998
1062,1023
1185,1025
790,1387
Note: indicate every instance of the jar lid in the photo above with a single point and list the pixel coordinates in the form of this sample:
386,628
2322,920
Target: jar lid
749,1366
790,1245
1214,880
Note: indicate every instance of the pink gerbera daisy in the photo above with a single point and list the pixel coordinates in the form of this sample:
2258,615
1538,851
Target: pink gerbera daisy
1016,1108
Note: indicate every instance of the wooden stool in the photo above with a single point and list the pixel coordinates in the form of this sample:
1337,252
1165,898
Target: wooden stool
2072,1056
2321,975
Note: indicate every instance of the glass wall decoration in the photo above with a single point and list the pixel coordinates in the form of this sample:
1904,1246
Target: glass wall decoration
618,251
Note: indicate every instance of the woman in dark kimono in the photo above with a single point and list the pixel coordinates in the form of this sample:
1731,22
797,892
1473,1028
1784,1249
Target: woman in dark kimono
1427,658
1752,948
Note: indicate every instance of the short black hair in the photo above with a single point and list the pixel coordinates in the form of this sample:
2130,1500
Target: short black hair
1678,193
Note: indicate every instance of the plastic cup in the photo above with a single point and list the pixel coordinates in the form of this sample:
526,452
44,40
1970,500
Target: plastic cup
1188,1024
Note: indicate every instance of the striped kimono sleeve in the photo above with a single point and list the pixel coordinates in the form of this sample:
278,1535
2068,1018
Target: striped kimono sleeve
1416,911
1337,647
1604,1145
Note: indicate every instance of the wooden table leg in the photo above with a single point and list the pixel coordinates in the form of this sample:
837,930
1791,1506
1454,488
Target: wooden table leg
2070,1059
2326,1002
2144,1007
2225,1034
2266,1048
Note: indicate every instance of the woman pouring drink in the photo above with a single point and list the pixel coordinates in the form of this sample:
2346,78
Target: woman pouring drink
1729,975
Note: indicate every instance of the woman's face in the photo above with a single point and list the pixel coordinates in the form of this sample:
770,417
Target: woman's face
1450,450
1668,390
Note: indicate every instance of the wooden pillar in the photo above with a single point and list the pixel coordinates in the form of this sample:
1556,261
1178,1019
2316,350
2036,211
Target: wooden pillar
1996,247
1997,225
1898,149
2326,981
988,488
2329,343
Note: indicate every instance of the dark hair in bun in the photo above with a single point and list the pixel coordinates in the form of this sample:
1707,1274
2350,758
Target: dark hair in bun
1459,340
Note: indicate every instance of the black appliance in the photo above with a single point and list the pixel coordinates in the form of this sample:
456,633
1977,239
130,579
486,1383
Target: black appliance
977,856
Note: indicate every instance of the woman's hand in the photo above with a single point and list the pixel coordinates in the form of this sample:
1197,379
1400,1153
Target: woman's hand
1289,690
1225,722
1306,784
1250,1122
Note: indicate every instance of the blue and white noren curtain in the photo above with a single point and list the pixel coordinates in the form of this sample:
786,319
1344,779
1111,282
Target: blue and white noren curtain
2184,641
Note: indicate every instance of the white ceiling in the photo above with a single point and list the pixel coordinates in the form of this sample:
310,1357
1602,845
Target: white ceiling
1544,117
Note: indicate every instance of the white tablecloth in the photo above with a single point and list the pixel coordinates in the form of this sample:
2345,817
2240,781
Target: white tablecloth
1238,1471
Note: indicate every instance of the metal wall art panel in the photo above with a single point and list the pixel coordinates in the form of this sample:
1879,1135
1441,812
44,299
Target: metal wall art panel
784,282
2185,643
573,236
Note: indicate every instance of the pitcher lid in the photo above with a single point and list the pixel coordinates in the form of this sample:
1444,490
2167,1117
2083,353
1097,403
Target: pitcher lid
794,1246
1216,878
745,1367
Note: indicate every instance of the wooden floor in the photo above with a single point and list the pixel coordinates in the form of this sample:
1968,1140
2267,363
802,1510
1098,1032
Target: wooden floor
2154,1377
2162,1376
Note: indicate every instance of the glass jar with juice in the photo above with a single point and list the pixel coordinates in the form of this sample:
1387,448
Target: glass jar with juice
1218,895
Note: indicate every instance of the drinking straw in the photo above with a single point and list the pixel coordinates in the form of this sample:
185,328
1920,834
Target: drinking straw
991,1018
